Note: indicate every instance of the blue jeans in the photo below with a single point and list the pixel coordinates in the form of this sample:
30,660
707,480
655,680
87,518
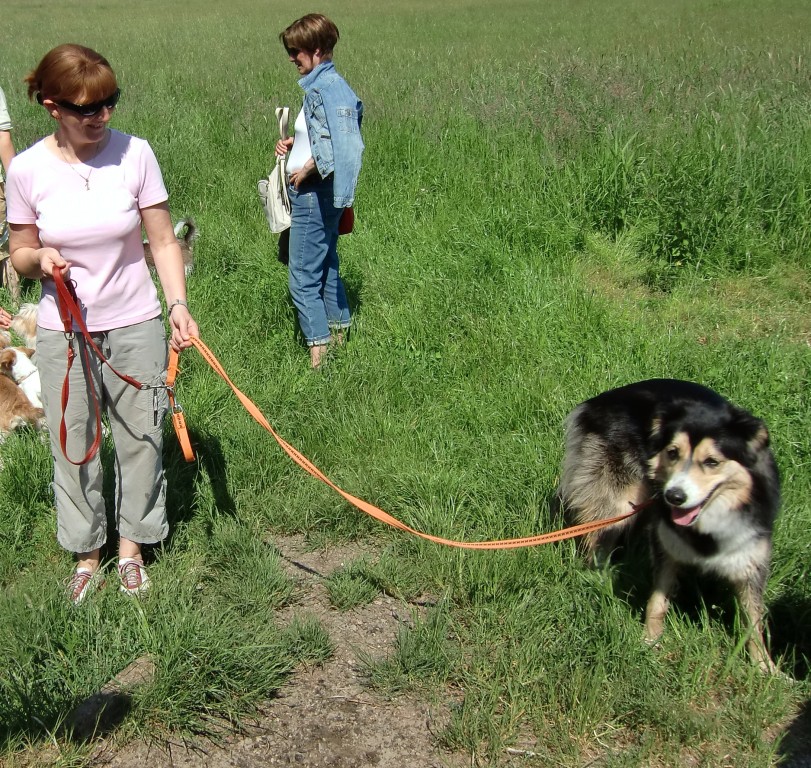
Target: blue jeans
315,285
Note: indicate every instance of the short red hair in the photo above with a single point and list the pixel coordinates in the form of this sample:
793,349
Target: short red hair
73,73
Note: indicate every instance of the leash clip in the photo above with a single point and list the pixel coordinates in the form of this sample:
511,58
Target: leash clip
176,407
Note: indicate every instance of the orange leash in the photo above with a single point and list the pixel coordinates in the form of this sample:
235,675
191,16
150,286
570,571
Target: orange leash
178,417
379,514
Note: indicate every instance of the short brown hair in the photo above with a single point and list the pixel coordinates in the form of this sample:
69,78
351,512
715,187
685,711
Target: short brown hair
310,33
74,73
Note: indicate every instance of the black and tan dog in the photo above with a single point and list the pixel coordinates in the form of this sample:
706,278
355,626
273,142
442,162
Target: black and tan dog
703,471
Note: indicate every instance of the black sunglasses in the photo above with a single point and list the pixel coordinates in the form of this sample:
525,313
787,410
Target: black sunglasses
88,110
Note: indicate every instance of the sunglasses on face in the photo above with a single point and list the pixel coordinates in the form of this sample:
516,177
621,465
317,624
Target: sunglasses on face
89,110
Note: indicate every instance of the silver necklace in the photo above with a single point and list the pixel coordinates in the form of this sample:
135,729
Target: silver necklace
85,179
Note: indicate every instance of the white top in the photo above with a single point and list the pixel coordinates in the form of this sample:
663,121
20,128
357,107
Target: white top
301,151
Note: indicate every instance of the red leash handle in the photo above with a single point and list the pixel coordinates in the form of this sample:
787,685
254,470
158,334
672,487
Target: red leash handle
71,315
68,304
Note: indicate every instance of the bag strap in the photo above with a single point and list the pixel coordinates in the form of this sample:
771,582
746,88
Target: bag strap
283,116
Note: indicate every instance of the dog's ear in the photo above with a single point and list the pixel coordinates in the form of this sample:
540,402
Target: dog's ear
752,431
662,428
760,439
7,359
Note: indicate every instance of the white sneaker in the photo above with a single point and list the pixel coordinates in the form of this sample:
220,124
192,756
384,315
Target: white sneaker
134,579
80,584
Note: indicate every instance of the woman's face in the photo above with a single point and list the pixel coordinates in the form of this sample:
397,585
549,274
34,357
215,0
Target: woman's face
85,129
82,128
305,61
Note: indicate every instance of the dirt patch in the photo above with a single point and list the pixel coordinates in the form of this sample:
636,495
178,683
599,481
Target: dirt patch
325,716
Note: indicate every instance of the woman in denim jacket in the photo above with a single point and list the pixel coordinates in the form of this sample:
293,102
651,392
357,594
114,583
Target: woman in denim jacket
323,167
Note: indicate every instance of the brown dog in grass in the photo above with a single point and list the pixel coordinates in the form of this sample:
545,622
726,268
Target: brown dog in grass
16,410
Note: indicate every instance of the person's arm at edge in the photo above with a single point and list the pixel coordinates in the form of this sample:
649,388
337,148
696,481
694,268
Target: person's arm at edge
6,149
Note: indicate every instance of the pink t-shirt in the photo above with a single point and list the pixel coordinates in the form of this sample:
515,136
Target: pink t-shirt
96,229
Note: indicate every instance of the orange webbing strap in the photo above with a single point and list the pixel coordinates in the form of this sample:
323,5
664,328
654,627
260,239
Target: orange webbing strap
379,514
178,419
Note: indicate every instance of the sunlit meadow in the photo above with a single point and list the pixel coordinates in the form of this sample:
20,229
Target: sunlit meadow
556,198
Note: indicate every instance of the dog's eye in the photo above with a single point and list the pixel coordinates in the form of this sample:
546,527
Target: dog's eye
673,453
711,463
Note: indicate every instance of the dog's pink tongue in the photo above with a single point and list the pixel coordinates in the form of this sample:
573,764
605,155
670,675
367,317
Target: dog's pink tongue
684,516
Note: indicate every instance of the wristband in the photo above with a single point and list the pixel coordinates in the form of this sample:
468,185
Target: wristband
182,303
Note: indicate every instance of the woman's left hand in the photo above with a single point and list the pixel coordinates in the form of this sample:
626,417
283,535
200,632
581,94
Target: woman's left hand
296,177
183,328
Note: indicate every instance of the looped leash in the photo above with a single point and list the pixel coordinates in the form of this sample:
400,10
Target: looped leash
384,517
178,416
71,315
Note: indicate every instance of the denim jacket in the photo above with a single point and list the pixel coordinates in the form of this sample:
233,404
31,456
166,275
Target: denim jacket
333,114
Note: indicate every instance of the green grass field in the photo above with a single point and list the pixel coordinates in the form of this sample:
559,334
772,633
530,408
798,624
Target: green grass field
556,198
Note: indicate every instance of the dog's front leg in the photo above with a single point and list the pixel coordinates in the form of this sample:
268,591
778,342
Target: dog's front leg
750,597
665,578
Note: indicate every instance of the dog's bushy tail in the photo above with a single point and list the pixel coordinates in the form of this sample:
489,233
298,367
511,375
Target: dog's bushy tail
24,324
190,230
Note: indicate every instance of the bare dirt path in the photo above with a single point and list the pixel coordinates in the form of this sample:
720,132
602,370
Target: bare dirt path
324,716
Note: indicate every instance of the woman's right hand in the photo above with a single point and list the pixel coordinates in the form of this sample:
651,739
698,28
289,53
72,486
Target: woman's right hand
29,257
50,258
283,146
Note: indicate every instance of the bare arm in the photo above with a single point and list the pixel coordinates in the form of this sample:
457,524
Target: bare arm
28,256
169,263
6,148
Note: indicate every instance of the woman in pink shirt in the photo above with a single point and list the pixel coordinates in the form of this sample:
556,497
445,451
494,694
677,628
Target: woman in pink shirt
77,200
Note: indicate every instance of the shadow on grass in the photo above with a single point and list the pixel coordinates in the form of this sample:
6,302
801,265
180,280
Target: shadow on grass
789,623
181,477
795,749
98,716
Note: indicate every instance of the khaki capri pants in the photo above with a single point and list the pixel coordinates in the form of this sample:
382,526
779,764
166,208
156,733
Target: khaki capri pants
136,424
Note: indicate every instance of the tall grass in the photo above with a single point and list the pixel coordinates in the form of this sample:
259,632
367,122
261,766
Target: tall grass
556,198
